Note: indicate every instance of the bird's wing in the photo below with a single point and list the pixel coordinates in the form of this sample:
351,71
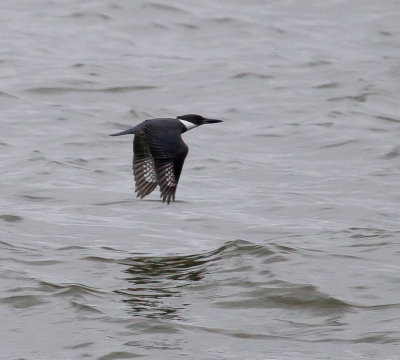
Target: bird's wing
169,153
143,167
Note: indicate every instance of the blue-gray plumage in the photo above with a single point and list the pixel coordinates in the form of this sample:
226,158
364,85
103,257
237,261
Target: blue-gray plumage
159,153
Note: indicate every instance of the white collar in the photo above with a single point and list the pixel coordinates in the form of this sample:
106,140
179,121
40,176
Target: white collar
188,125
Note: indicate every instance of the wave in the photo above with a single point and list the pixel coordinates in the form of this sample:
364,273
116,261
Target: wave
236,275
115,89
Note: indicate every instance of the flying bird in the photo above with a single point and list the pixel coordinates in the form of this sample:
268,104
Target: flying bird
159,153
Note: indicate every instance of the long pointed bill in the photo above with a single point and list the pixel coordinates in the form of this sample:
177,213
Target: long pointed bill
211,121
125,132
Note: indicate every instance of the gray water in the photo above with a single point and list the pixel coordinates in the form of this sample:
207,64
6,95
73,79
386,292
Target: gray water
284,240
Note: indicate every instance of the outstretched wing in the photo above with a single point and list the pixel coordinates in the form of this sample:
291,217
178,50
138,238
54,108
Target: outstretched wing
168,173
169,153
143,167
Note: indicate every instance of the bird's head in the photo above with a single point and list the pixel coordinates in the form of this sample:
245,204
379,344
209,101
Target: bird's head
191,121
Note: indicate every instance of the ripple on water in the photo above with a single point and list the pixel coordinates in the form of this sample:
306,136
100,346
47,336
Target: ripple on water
285,295
355,98
73,289
116,89
243,75
338,144
85,308
10,218
36,198
22,301
329,85
119,355
7,95
394,153
164,7
388,118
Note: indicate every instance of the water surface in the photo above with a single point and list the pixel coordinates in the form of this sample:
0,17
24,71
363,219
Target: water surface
284,241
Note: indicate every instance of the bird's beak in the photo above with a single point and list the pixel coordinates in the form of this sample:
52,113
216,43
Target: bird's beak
125,132
211,121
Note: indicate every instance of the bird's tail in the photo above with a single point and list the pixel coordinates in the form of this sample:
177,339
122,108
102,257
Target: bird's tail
132,130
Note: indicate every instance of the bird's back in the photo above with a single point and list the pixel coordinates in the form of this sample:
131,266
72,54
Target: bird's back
167,132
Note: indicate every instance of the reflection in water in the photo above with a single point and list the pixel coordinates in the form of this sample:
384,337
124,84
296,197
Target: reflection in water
155,279
156,282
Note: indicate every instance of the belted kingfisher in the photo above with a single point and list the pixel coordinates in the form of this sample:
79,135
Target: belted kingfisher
159,153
